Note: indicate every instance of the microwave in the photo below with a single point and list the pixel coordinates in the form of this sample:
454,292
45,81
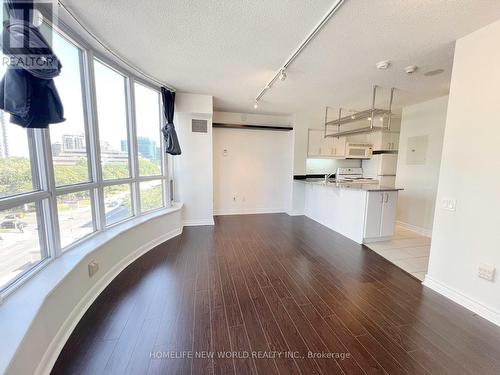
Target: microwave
359,151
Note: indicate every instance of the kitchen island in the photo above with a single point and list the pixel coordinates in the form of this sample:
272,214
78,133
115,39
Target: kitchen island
362,212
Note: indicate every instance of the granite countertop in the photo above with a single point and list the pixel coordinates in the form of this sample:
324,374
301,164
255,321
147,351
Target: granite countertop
348,185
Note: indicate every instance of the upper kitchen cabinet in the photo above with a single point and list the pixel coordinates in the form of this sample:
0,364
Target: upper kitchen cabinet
321,147
384,140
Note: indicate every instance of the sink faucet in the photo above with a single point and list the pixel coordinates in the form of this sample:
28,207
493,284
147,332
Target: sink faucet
327,176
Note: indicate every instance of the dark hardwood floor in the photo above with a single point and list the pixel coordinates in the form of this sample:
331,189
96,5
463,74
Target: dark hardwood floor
276,288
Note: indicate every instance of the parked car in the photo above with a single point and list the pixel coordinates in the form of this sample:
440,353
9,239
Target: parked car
13,224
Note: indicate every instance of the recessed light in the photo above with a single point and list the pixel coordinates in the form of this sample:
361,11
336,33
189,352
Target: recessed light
434,72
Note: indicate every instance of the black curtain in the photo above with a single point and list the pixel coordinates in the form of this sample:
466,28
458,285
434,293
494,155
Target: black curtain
169,133
27,90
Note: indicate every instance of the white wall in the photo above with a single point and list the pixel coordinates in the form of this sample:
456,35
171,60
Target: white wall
255,174
464,238
193,171
417,201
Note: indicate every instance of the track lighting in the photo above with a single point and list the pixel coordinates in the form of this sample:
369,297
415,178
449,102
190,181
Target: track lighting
282,75
256,105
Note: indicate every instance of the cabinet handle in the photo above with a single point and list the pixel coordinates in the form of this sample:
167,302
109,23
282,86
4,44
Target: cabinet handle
386,197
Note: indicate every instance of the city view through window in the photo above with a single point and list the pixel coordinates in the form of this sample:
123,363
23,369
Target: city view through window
23,243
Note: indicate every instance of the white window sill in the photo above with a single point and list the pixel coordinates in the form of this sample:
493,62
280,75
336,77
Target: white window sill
20,305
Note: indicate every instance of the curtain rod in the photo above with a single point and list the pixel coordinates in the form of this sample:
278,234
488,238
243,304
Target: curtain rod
116,55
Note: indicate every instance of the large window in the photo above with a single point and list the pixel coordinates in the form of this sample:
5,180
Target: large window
69,139
147,114
101,167
112,119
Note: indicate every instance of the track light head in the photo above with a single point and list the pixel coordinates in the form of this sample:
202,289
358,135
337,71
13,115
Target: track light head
283,75
256,104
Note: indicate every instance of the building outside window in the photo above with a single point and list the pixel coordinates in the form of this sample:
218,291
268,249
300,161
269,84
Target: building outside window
100,167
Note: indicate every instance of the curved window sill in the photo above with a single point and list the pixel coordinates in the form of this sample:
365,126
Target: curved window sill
21,304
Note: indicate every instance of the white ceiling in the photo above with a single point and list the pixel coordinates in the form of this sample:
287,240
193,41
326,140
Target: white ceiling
231,48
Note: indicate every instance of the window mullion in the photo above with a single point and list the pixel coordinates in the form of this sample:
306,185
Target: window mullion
48,183
91,117
133,152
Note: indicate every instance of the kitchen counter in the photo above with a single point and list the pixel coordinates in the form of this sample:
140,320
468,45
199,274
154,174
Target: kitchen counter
363,212
350,185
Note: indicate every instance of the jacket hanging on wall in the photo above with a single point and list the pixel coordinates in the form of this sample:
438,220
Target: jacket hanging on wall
169,134
27,90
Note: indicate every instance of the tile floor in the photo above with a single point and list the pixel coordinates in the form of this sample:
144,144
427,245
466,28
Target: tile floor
407,250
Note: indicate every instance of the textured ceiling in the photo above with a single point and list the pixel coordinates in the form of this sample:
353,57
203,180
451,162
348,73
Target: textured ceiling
231,48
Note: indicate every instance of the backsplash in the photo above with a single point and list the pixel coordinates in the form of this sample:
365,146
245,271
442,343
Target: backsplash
329,165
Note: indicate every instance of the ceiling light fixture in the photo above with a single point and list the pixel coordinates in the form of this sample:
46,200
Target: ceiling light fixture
383,65
281,73
256,104
410,69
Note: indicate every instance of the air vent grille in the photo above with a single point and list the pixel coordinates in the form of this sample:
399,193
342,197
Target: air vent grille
199,126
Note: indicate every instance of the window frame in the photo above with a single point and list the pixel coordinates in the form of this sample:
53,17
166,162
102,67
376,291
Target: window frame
46,192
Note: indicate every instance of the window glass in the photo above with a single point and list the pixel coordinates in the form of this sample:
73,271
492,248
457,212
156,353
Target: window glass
20,248
112,120
151,195
75,217
68,139
147,114
15,165
117,203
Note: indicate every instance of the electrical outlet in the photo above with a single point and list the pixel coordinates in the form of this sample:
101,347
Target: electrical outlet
93,268
486,271
449,204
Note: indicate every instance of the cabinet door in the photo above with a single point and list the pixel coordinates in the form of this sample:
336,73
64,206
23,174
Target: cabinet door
314,143
373,218
327,145
339,146
376,140
388,213
395,141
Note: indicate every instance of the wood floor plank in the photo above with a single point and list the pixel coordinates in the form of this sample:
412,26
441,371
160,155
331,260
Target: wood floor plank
261,294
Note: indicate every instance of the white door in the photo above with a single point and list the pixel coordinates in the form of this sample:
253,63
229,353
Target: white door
373,219
314,143
388,213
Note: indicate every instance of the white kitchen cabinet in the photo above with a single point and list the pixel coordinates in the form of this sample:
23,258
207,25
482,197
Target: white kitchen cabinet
314,143
384,141
380,214
329,147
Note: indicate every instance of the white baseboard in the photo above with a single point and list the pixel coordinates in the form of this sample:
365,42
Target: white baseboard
422,231
477,307
295,213
249,211
57,344
198,223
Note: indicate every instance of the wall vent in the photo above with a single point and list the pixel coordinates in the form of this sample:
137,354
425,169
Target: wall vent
199,126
